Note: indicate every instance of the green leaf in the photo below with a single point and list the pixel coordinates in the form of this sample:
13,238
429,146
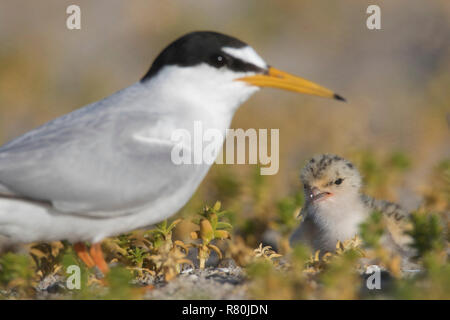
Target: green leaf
217,206
163,226
223,225
173,225
214,219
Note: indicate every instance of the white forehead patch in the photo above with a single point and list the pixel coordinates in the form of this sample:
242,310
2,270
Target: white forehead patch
246,54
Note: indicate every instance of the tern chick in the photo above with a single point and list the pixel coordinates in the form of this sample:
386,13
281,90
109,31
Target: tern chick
335,207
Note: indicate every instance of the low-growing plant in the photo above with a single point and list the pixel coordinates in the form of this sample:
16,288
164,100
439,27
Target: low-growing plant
427,233
437,192
265,253
162,234
17,273
168,262
153,252
373,229
47,257
210,228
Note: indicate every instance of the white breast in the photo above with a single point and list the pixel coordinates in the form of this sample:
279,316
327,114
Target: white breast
337,220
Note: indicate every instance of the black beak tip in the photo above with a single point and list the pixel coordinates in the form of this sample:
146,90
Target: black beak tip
338,97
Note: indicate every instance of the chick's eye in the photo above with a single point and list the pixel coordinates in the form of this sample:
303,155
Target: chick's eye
338,181
218,60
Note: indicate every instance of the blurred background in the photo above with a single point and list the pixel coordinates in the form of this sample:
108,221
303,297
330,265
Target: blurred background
395,125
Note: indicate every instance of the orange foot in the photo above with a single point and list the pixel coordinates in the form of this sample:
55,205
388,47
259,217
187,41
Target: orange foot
94,258
97,255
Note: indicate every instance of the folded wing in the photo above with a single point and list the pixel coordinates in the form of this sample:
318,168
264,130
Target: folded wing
91,163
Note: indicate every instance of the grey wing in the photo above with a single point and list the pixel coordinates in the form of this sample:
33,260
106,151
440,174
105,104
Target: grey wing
397,222
90,163
390,209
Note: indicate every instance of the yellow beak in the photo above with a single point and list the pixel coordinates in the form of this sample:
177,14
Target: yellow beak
279,79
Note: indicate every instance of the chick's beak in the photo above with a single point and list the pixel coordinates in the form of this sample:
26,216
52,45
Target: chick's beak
282,80
316,194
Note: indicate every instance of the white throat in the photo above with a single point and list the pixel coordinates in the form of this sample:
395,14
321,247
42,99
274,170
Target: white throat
339,218
203,88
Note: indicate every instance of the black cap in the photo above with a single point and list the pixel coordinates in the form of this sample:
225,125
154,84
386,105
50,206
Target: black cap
201,47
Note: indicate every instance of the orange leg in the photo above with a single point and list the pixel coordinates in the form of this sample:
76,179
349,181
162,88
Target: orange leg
97,255
81,250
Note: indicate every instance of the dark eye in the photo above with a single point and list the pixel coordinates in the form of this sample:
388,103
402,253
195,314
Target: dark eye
218,60
338,181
